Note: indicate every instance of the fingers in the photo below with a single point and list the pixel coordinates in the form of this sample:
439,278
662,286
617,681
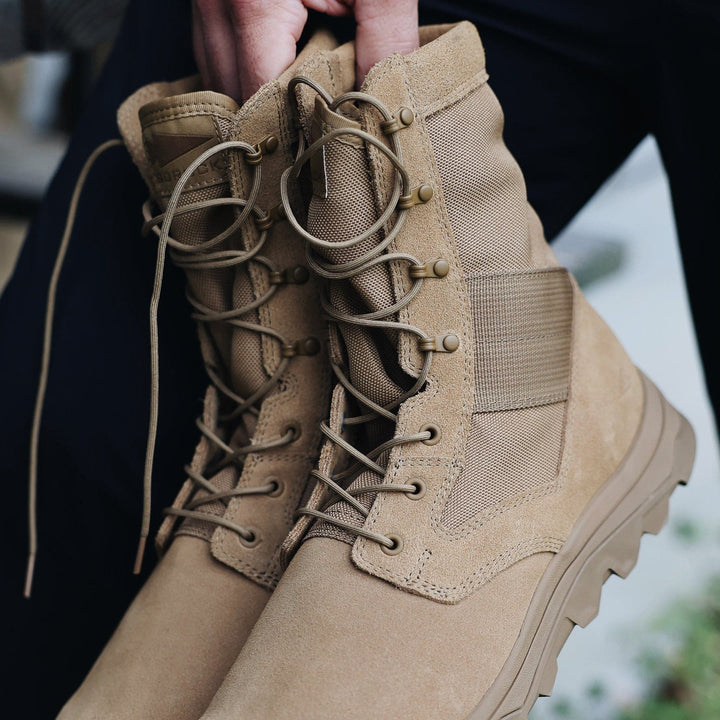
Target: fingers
266,35
384,27
214,47
240,45
243,44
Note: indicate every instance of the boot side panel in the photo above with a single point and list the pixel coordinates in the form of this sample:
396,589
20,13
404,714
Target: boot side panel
605,409
581,383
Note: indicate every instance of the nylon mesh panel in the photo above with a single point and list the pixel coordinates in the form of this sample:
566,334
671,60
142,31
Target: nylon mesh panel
483,186
521,321
348,210
509,452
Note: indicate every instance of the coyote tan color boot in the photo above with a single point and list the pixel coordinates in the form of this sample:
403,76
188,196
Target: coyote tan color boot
491,455
213,170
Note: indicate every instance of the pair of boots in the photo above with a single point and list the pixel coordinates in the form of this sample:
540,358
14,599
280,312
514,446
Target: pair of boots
418,436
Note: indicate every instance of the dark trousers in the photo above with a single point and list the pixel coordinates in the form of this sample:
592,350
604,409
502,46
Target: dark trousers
581,84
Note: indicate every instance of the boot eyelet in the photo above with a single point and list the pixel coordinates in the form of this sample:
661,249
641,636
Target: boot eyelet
296,275
447,343
266,146
418,196
253,540
307,346
400,120
420,489
433,269
435,434
397,545
295,428
279,487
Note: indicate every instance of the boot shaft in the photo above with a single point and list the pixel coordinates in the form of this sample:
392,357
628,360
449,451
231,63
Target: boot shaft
526,454
506,327
165,136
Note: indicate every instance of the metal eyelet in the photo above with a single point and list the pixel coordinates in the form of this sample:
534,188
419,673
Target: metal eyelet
402,119
306,346
435,433
253,540
266,146
274,215
279,487
448,343
434,269
295,428
397,546
420,489
418,196
296,275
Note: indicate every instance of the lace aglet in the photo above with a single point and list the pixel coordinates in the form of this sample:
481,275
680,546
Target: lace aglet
140,555
29,575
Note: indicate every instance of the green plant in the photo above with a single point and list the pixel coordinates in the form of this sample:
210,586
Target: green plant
687,679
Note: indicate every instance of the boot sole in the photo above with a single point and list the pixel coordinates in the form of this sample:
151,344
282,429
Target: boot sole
605,541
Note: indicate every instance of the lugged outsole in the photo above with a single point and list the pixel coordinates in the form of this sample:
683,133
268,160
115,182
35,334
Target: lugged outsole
612,550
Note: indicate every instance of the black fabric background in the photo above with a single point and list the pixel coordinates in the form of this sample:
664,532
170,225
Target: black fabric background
581,84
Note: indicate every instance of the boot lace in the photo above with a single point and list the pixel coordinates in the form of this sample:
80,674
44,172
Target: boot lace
198,257
402,199
46,356
205,256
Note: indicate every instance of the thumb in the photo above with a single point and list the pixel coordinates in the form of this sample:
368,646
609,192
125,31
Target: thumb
384,27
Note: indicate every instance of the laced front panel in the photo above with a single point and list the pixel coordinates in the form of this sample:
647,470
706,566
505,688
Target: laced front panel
206,256
202,256
402,199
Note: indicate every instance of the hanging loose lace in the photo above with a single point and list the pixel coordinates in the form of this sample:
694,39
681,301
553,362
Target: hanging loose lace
403,197
45,362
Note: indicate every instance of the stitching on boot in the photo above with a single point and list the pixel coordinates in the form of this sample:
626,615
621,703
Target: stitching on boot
360,552
469,86
451,594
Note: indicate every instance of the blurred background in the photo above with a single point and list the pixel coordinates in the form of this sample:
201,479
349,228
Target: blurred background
33,134
41,97
654,651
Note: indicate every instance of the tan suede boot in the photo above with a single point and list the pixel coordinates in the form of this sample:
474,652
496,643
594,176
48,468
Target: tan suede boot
501,454
213,170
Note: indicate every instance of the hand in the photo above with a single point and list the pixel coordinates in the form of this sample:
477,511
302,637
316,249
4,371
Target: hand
242,44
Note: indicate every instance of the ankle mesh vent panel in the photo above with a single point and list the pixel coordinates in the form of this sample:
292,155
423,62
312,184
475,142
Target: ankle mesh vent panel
483,187
510,454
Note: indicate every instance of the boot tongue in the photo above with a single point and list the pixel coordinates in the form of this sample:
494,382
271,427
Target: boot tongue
164,137
351,186
176,131
346,200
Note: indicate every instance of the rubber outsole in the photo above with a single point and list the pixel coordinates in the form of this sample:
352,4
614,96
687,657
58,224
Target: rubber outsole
605,541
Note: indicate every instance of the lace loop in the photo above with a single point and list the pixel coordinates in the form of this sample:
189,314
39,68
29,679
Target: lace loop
402,199
205,256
